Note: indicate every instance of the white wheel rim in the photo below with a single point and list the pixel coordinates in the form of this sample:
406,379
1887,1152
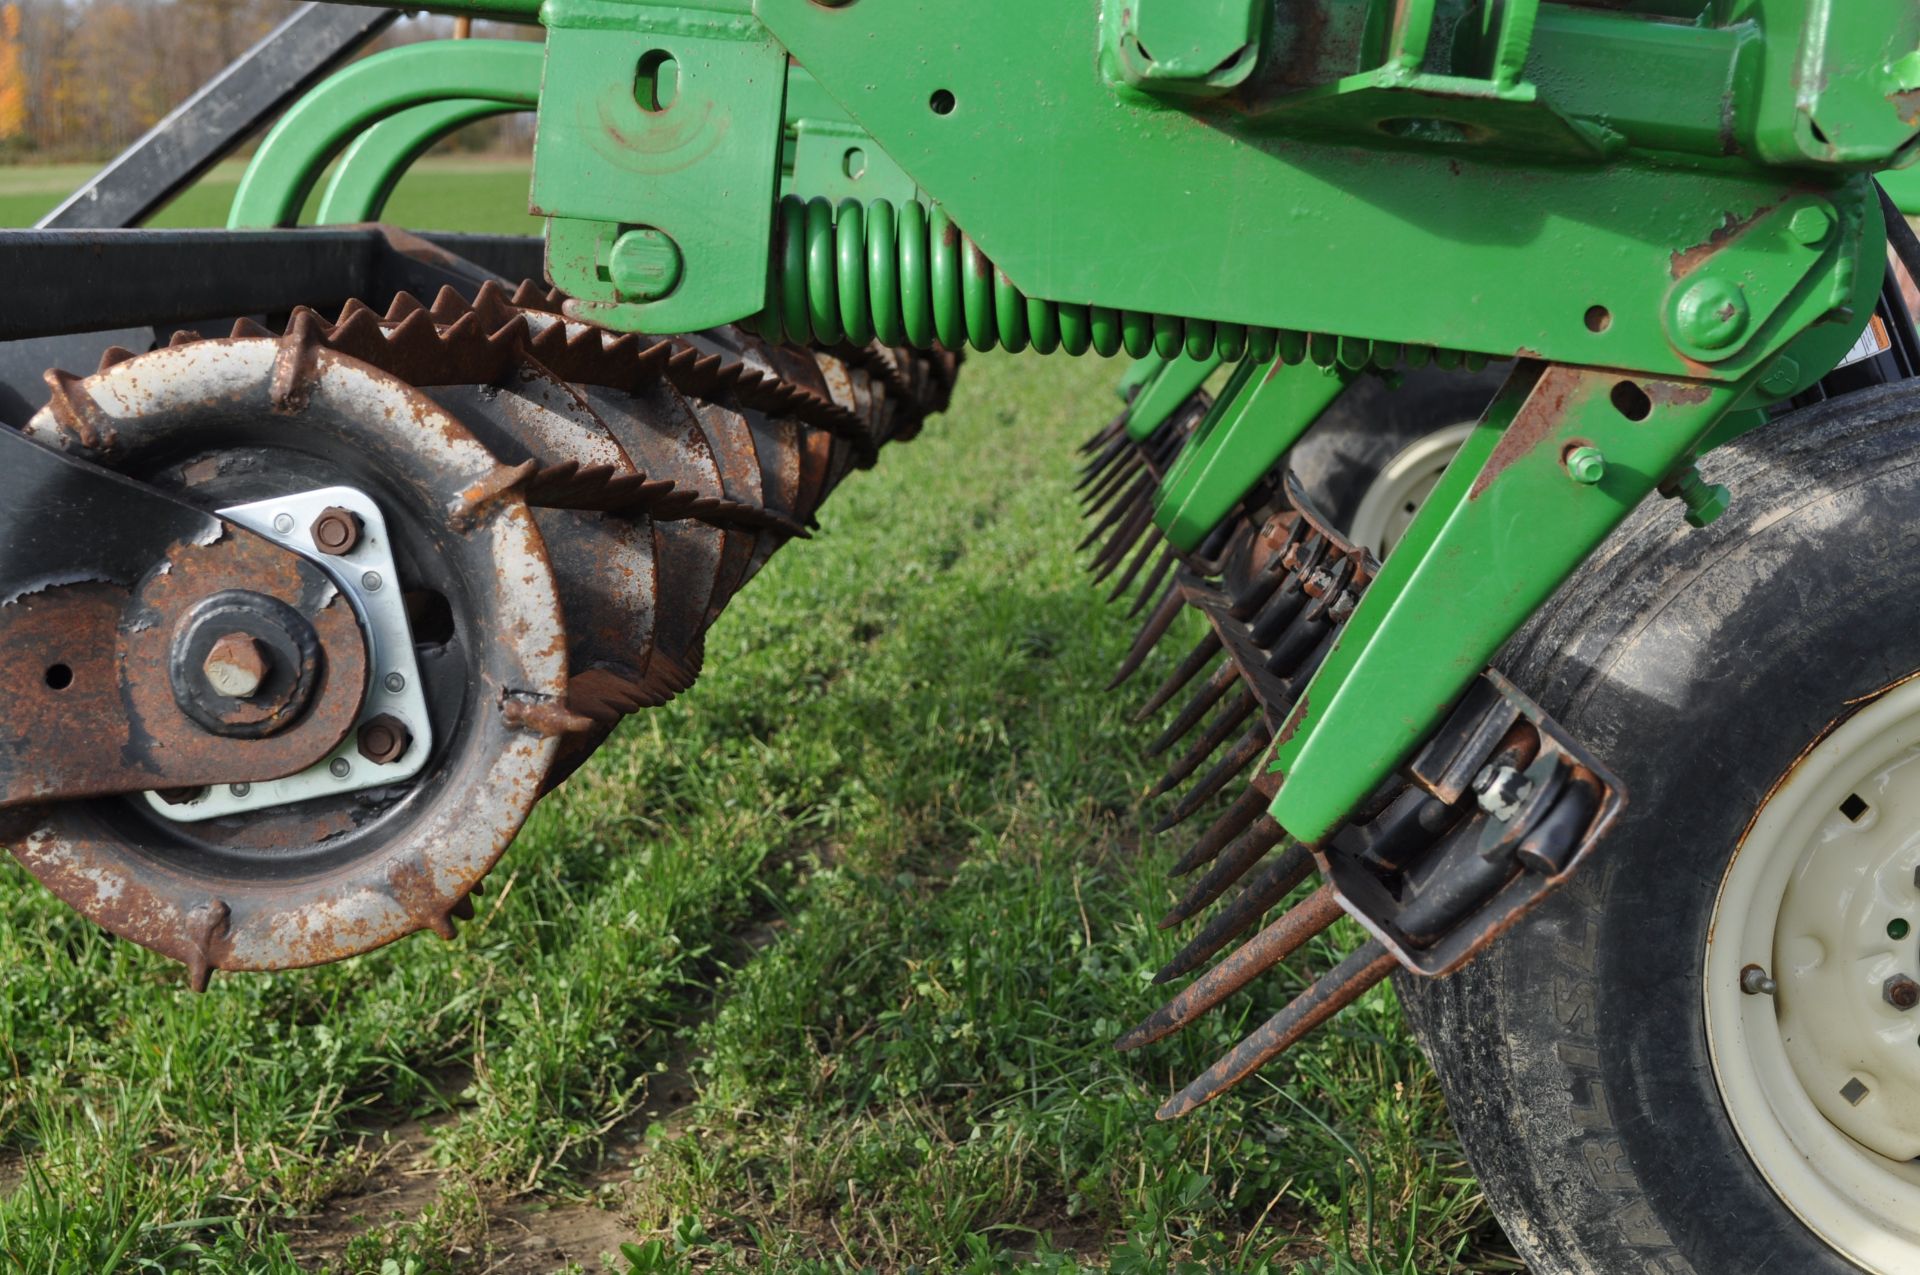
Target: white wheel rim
1822,1079
1402,486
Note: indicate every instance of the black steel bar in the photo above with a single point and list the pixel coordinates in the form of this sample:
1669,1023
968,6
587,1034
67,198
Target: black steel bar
62,281
207,126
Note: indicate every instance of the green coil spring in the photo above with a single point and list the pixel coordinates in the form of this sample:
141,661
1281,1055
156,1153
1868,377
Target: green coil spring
906,275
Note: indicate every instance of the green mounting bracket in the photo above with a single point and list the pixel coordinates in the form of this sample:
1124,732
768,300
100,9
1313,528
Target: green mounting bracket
1261,413
1161,395
828,155
297,150
668,114
369,169
1198,48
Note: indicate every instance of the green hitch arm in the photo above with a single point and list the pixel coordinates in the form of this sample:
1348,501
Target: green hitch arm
289,162
373,165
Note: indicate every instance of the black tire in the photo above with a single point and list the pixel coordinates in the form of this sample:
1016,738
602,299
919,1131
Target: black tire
1698,664
1372,422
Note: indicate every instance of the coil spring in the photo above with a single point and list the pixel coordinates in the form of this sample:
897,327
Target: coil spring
906,275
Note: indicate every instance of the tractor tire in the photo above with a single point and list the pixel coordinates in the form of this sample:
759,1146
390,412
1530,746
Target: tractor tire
1660,1070
1375,453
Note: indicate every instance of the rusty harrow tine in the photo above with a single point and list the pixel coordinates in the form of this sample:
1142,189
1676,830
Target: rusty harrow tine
1222,681
1098,465
1249,747
1338,988
1274,881
1247,962
1223,725
1116,550
1155,579
1196,660
1218,731
1120,509
1248,806
1113,483
1247,849
1155,628
1105,433
1148,544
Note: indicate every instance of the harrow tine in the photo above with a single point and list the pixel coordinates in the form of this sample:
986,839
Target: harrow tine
1223,725
1249,747
1109,557
1247,807
1155,579
1113,483
1106,432
1196,660
1147,546
1273,882
1197,708
1338,988
1247,962
1247,849
1098,465
1121,509
1156,628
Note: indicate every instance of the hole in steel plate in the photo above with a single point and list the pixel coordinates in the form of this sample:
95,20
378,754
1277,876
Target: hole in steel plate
59,676
656,82
941,102
1631,401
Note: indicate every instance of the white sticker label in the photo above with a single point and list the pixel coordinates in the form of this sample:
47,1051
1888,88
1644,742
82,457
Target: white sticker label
1872,341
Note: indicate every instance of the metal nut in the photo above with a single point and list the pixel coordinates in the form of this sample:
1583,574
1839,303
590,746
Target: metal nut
236,666
336,530
384,740
1901,992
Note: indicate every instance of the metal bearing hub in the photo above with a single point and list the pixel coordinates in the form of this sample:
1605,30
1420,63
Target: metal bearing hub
1402,486
1813,987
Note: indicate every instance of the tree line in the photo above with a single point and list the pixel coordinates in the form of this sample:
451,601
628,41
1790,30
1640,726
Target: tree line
80,79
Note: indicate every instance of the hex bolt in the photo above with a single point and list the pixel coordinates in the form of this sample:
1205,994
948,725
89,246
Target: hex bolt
1811,225
336,530
1711,314
1901,992
1501,789
180,796
236,666
1755,981
644,265
1704,501
1587,465
1782,377
384,739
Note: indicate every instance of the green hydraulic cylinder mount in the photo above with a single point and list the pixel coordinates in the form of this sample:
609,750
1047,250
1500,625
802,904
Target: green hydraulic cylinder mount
1663,212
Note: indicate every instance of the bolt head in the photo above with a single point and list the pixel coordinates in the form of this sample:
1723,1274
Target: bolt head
1782,378
1901,992
1811,225
1586,464
644,265
384,739
336,530
1711,314
1706,507
237,666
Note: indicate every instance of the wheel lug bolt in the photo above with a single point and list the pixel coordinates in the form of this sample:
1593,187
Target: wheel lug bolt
1901,992
1755,981
384,739
336,530
236,665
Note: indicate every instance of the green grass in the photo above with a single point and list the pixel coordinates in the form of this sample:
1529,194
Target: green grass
442,193
812,970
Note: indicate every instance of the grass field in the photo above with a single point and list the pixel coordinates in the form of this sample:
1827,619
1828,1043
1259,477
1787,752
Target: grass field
812,970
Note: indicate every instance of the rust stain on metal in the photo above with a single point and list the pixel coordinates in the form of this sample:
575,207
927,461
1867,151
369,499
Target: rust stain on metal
1685,261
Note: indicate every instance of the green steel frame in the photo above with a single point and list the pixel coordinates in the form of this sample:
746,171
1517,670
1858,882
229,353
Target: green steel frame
1663,211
